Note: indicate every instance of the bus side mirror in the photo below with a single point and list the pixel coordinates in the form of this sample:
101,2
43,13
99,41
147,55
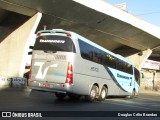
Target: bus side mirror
31,47
30,53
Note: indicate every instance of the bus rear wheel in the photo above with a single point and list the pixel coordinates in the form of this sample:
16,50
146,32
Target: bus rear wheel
103,94
93,94
60,96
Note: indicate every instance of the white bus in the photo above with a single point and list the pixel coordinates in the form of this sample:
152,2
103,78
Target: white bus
66,63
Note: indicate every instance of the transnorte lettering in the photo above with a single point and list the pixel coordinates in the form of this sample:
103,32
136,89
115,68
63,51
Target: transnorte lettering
52,41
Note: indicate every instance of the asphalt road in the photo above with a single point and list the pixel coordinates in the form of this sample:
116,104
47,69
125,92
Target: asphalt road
21,100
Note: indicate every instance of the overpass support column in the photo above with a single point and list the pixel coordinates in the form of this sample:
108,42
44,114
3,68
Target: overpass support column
139,59
14,48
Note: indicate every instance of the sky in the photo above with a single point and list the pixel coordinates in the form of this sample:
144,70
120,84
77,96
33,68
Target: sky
148,10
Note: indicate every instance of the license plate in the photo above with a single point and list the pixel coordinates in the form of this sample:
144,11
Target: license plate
44,85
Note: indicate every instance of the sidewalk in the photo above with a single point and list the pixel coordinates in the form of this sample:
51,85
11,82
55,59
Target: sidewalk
150,92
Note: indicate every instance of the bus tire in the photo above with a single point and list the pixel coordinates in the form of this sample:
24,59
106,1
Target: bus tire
93,94
60,96
133,94
103,94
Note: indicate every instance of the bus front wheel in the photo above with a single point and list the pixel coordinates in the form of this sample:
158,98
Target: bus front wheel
133,94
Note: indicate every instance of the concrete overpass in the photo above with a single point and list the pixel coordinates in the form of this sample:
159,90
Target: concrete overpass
101,22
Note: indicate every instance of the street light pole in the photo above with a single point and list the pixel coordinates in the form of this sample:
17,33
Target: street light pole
153,81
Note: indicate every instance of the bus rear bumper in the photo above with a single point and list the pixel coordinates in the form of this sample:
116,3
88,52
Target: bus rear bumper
50,87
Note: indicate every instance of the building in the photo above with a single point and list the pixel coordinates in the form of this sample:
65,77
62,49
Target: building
150,75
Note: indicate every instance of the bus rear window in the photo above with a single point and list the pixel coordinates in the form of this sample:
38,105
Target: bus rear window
54,43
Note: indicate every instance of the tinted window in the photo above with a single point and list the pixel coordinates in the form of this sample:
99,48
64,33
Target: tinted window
86,50
94,54
54,43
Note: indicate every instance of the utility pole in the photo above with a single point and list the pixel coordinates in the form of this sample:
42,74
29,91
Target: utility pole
153,80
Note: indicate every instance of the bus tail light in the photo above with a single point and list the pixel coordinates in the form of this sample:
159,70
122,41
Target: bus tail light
69,78
68,35
39,34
